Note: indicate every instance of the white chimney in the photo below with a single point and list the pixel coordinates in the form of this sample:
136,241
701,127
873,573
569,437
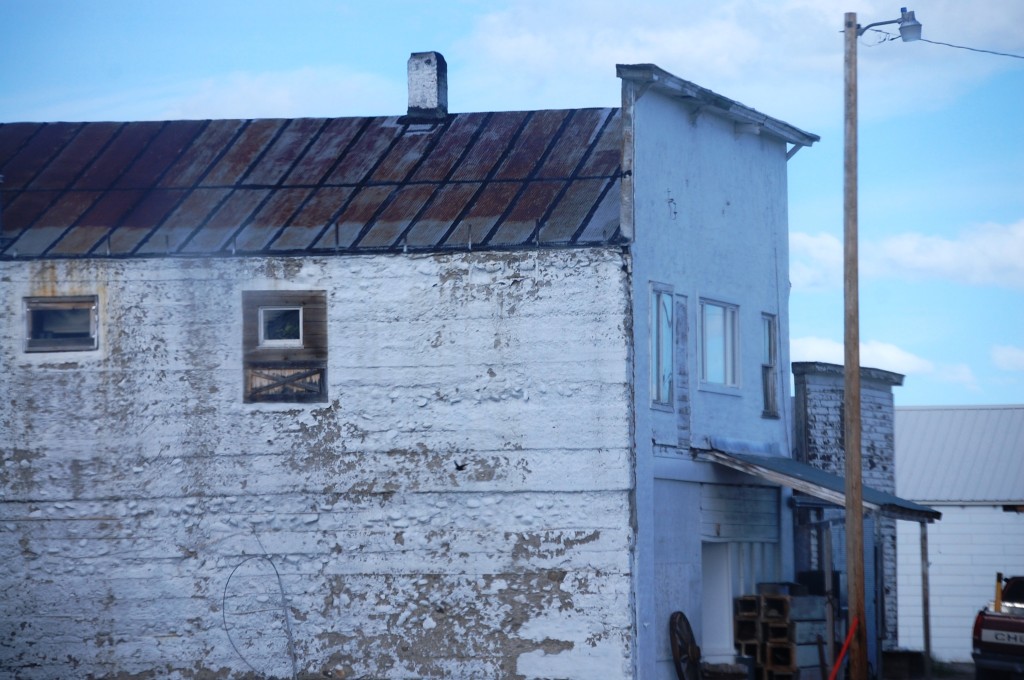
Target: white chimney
428,85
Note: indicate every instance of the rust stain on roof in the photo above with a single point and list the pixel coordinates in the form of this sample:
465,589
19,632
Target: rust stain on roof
310,185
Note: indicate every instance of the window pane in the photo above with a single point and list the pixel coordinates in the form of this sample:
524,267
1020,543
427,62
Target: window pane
714,343
60,324
281,324
661,347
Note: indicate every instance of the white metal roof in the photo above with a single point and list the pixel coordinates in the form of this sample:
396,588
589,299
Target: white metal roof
960,454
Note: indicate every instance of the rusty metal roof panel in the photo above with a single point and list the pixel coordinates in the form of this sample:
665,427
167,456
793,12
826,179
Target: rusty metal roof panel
490,146
501,180
397,216
160,154
35,153
189,215
12,137
243,152
571,147
76,156
315,216
230,216
79,240
526,214
366,152
487,208
350,223
325,150
602,224
198,157
272,215
22,209
445,156
570,214
450,201
533,144
280,157
117,156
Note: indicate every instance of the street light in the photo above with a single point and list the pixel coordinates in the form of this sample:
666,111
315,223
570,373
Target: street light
910,29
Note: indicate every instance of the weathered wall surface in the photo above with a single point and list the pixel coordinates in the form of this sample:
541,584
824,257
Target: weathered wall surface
459,507
819,434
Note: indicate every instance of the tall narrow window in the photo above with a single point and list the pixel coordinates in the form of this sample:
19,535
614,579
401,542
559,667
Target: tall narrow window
60,324
661,346
718,348
769,365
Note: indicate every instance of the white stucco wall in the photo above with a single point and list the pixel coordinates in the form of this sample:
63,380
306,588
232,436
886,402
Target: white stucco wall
460,507
708,213
965,550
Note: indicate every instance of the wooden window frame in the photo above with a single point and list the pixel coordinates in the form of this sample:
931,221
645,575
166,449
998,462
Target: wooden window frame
285,371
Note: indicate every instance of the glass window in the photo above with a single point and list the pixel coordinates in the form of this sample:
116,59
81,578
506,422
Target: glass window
281,326
661,346
60,324
718,348
769,365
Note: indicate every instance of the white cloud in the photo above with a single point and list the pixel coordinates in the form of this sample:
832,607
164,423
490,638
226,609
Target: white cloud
873,353
815,261
989,254
1008,358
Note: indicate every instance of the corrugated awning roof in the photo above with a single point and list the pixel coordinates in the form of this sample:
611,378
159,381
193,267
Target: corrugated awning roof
310,185
819,483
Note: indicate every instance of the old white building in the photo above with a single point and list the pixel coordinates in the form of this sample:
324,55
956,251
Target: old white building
415,396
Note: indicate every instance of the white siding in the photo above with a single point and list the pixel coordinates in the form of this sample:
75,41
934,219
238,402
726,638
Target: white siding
460,507
966,549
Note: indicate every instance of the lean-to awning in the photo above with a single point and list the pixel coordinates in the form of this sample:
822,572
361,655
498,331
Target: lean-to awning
818,483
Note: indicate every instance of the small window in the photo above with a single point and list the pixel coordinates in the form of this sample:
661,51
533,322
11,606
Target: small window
769,366
60,324
718,343
661,346
281,326
284,345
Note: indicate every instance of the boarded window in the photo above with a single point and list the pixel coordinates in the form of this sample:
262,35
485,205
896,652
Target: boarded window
60,324
284,345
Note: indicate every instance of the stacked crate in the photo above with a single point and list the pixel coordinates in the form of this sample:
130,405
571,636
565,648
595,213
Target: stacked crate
780,632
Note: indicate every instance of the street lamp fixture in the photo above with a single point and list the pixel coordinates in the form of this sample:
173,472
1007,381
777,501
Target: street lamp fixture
910,30
910,27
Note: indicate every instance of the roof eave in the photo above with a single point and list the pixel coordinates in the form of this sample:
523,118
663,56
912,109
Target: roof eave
662,81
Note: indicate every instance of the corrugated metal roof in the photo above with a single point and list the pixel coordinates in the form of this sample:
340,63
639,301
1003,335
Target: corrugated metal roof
960,454
387,184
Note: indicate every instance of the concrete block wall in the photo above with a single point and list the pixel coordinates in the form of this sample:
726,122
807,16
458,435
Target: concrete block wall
819,442
459,507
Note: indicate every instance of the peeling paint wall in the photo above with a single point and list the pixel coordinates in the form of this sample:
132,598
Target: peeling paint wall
819,435
459,507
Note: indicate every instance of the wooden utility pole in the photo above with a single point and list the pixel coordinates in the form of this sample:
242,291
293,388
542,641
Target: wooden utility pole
851,373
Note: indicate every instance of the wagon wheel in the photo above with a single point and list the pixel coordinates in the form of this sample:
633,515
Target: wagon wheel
685,652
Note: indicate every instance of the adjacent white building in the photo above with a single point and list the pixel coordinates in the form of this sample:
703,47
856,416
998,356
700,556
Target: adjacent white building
968,463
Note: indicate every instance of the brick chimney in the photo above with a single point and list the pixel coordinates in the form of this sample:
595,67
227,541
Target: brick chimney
428,86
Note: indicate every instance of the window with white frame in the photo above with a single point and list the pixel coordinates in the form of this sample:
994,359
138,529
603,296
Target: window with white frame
280,327
719,329
769,365
60,324
661,345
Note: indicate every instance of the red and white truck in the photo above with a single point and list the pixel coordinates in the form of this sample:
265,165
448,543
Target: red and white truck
999,632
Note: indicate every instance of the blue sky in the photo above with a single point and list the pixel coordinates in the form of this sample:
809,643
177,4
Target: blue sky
941,129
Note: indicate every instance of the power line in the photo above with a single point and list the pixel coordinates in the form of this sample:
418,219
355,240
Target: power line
973,49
